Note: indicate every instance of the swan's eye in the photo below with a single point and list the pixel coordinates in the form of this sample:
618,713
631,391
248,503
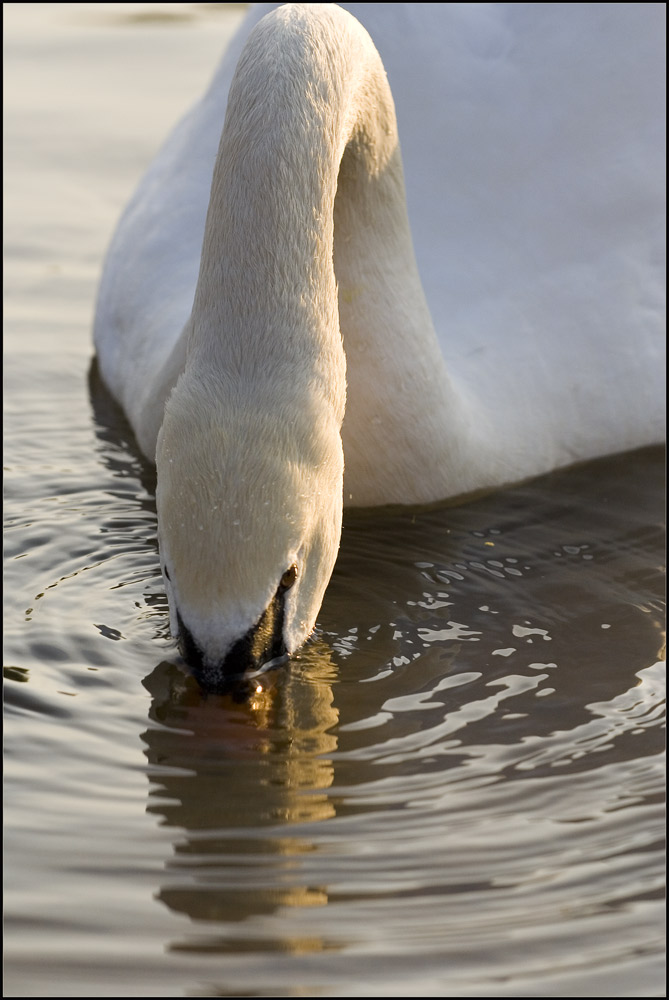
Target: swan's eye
288,578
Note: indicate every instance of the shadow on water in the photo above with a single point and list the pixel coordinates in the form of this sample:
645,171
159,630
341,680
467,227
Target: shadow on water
119,450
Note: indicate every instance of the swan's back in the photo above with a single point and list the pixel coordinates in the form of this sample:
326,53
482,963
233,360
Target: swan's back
533,150
533,145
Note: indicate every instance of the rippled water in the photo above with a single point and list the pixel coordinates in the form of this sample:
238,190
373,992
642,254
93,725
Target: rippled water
455,790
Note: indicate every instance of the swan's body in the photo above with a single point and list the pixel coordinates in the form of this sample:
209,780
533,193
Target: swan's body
534,163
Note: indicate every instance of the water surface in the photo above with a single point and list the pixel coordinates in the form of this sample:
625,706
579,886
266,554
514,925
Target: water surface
454,790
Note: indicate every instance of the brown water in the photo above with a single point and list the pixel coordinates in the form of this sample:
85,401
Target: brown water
455,790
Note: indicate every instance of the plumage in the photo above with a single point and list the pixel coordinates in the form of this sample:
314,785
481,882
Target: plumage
533,154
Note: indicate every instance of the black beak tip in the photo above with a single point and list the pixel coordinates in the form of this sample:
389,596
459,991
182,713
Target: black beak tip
258,651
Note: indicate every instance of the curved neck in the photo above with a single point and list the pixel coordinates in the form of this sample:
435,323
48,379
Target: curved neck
306,89
308,184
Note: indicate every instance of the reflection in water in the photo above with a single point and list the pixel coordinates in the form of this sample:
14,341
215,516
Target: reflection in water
227,772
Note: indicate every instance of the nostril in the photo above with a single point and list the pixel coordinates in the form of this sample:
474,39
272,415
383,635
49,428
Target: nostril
288,578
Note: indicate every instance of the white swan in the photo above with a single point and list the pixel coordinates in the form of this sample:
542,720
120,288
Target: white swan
535,193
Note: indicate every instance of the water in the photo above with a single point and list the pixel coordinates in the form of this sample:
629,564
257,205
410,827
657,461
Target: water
455,790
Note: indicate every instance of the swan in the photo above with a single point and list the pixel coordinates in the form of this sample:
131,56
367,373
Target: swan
281,348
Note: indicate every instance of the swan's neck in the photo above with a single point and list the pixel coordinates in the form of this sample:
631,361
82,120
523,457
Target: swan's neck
307,265
266,301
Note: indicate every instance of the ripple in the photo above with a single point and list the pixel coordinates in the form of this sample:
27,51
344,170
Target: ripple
455,789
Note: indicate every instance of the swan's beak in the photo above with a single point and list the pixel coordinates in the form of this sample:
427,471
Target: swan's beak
257,651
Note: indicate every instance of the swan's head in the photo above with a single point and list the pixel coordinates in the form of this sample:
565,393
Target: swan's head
249,502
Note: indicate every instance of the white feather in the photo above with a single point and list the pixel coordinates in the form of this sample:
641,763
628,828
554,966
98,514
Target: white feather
533,149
